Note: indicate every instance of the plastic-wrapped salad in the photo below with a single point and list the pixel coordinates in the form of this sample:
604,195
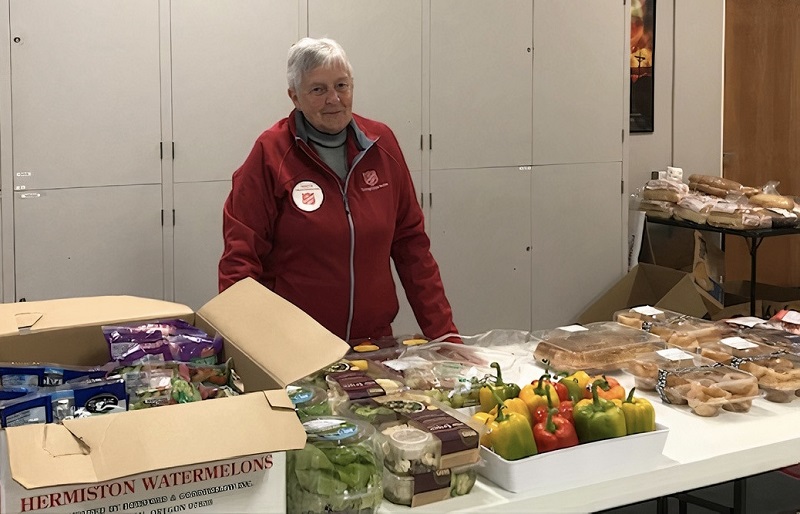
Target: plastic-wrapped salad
309,401
338,470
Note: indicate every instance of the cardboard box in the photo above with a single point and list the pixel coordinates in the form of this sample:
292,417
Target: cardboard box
769,300
560,469
648,284
80,464
708,269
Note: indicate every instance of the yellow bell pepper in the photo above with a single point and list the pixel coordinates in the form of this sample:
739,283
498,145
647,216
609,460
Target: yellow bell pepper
639,414
511,435
534,399
518,406
484,419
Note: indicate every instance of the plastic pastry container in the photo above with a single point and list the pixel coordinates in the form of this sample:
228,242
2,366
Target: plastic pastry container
455,384
356,385
421,489
674,328
734,346
707,390
778,339
778,375
340,469
595,347
308,400
645,367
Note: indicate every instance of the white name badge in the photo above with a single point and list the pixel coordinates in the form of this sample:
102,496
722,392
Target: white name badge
307,196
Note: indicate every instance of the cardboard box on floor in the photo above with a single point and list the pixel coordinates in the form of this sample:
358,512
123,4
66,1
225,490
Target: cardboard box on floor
648,284
223,455
769,300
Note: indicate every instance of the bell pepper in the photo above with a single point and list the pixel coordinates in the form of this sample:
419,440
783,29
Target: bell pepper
533,400
639,414
598,418
560,389
565,411
554,433
510,434
574,389
515,405
614,391
541,412
484,418
543,387
504,390
582,379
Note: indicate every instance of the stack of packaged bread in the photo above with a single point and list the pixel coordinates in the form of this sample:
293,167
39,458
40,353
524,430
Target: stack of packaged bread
718,202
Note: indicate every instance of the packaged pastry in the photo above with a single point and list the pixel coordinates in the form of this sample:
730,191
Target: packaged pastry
778,339
734,346
645,368
595,347
674,328
778,375
708,389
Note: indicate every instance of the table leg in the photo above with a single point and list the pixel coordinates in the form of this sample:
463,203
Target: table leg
755,242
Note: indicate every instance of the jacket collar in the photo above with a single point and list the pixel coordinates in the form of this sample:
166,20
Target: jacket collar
297,126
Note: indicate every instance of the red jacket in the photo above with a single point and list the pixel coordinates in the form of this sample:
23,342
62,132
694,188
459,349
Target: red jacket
323,244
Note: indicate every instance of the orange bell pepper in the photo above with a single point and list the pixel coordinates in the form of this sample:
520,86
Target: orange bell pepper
614,392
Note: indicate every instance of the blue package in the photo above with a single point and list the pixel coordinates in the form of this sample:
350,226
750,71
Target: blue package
100,397
62,405
11,393
26,410
21,376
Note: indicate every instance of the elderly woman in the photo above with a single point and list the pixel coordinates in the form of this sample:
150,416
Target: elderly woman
322,204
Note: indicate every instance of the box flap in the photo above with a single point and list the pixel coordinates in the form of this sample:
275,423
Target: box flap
285,342
117,445
86,311
684,298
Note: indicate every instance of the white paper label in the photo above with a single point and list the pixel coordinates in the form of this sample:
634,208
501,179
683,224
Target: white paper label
725,207
647,310
782,212
573,328
674,354
745,321
738,343
791,317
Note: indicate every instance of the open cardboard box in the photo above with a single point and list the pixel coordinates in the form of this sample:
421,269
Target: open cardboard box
648,284
272,344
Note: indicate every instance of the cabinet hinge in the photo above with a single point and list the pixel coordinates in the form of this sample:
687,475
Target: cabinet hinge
160,149
422,200
430,141
173,150
622,187
430,200
162,217
421,143
623,135
173,217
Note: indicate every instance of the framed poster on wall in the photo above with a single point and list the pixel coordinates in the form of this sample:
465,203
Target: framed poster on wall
643,42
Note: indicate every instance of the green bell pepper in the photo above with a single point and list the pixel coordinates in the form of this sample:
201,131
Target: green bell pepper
598,418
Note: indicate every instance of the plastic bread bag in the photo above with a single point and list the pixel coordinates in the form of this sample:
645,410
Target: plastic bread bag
171,340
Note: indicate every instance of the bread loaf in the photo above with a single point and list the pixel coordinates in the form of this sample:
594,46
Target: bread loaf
717,182
776,201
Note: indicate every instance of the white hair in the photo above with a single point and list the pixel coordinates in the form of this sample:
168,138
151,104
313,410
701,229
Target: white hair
309,53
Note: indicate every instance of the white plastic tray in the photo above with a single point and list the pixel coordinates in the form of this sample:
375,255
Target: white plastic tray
575,466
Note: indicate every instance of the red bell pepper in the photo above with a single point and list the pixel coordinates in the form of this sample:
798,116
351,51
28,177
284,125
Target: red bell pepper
565,411
556,432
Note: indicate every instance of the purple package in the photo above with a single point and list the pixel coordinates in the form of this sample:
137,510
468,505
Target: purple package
164,339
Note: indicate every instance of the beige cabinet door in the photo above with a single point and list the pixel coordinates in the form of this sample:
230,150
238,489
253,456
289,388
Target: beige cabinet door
89,241
579,60
576,221
480,226
383,40
198,240
228,80
86,104
480,84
